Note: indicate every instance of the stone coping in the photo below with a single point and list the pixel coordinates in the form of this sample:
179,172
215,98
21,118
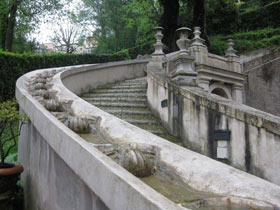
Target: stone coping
218,57
96,169
225,106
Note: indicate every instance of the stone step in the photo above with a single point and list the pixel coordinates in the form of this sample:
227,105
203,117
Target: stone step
131,83
124,108
104,104
121,86
134,95
156,132
116,99
138,122
137,79
131,112
118,90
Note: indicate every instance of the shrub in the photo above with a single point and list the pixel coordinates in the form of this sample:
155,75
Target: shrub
12,66
132,53
245,42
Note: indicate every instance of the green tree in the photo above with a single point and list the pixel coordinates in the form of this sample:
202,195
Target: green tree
222,17
120,24
22,15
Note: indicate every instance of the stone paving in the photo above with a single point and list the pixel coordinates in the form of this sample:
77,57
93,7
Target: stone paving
128,101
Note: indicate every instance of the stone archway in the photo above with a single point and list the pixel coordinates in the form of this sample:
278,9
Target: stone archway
220,90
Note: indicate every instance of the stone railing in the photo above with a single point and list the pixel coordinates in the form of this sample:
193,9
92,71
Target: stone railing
220,128
65,171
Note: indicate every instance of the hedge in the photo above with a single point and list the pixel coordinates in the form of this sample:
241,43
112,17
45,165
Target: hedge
12,66
262,17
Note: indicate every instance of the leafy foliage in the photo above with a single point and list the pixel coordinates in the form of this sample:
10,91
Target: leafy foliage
120,24
222,17
247,41
9,119
261,17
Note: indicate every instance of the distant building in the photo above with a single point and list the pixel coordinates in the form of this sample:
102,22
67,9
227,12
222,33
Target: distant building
46,48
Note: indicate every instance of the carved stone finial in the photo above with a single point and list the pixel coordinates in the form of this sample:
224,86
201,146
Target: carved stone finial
197,40
184,42
158,45
230,52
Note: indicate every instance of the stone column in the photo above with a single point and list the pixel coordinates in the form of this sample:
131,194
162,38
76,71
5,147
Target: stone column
237,93
184,73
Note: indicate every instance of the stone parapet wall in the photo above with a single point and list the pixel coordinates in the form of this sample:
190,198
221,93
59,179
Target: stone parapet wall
67,172
262,85
194,115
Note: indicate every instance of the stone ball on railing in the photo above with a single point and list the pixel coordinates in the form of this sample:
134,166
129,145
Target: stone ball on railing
78,124
136,163
53,106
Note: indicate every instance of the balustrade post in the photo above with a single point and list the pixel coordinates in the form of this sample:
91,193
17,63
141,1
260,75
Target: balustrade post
184,73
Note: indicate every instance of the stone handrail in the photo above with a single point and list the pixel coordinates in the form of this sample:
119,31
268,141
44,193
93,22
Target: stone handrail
46,141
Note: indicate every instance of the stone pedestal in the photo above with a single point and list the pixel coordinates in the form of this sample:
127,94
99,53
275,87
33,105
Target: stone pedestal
158,57
184,73
237,95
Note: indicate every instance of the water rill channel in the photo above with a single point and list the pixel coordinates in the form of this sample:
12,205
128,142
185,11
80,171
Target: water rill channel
141,161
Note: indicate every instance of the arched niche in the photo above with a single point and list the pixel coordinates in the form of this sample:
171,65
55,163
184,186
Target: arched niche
220,90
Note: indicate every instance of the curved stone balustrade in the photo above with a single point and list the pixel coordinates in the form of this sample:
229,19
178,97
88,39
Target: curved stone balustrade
64,171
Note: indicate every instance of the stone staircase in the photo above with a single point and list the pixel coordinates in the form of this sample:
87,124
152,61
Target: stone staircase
128,101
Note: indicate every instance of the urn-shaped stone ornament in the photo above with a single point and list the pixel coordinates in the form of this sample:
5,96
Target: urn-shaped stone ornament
184,42
136,163
78,124
158,45
53,105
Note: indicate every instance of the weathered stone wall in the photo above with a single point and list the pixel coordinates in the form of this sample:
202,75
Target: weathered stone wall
194,115
262,86
49,183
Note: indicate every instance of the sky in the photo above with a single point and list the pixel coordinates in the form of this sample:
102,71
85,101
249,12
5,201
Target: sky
49,23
